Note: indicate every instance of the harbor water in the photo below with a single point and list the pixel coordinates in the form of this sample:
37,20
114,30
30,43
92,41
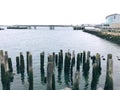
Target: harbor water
49,41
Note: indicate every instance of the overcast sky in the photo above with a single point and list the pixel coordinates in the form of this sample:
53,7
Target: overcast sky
56,11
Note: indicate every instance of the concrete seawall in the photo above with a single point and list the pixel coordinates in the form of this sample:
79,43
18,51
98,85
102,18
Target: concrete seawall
110,36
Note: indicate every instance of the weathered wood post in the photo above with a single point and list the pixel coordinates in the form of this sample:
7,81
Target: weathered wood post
18,64
22,66
73,58
1,56
2,64
42,55
109,73
10,65
78,62
5,76
67,64
96,71
60,65
27,56
60,62
50,74
56,59
30,71
86,63
84,59
98,61
76,81
71,67
6,61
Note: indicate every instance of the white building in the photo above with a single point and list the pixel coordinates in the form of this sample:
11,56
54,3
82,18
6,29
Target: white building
113,20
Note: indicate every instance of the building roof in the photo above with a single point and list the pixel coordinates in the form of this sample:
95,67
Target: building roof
112,15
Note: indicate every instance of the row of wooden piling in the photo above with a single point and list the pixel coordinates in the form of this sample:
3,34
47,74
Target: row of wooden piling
57,60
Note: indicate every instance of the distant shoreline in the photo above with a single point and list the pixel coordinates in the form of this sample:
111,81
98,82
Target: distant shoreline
110,36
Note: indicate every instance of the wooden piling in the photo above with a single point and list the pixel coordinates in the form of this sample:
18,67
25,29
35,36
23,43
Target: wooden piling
78,62
30,71
5,75
42,55
96,71
67,64
6,61
86,62
109,73
60,62
1,56
98,61
56,59
2,70
50,67
84,59
73,58
60,65
22,66
27,56
18,64
10,65
71,67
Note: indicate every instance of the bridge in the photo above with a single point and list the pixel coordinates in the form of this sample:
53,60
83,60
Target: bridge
35,26
75,27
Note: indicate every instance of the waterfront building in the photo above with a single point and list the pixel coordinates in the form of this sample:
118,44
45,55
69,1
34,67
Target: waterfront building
113,20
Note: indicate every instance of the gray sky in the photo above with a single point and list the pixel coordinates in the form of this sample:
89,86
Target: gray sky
56,11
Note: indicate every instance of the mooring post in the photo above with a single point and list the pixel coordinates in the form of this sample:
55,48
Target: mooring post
86,62
42,55
56,59
78,62
96,71
30,72
2,67
88,55
67,64
98,61
10,65
84,59
60,64
6,61
5,75
1,56
50,67
109,73
71,67
76,81
18,64
73,58
27,55
22,66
